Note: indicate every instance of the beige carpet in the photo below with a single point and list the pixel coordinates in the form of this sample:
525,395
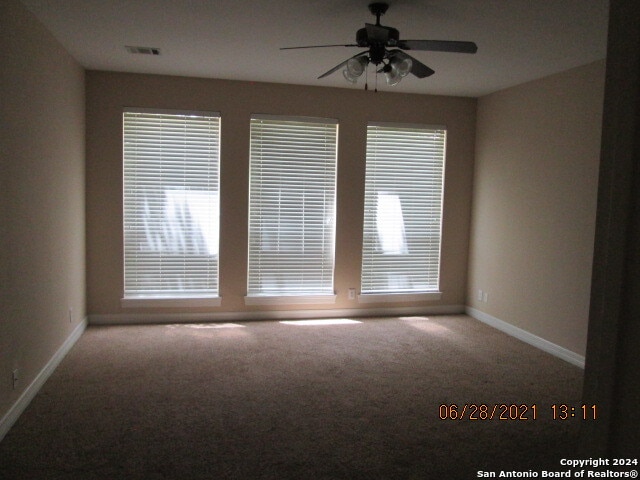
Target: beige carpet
267,400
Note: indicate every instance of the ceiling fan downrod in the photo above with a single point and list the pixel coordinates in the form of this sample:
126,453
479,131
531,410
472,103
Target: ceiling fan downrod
378,9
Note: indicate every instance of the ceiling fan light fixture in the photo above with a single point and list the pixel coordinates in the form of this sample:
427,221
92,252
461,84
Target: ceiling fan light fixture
355,68
357,65
348,77
395,64
402,66
392,76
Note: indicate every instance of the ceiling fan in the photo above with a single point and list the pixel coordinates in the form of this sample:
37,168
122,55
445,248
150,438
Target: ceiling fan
385,51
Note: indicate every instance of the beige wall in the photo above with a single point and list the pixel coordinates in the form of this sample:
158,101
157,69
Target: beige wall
42,198
108,93
534,204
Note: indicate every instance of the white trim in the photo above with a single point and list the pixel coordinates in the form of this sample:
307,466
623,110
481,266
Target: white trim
30,392
289,299
388,265
417,126
165,111
398,297
306,151
247,316
294,118
166,302
147,170
528,337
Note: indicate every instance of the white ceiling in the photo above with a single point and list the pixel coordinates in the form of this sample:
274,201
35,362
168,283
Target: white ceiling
518,40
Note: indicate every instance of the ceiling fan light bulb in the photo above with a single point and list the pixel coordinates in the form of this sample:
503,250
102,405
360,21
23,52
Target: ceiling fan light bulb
348,77
403,67
392,77
355,67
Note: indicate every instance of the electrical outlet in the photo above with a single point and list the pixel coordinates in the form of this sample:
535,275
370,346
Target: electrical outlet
485,297
16,377
479,295
352,294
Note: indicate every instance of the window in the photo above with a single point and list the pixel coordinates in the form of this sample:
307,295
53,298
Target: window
403,210
171,204
291,207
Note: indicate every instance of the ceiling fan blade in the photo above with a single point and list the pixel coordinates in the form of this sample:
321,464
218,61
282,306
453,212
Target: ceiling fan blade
319,46
339,66
438,46
418,69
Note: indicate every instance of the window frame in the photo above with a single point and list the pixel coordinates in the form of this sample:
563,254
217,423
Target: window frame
253,296
172,298
368,294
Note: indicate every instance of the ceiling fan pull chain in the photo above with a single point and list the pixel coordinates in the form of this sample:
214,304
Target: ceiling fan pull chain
366,77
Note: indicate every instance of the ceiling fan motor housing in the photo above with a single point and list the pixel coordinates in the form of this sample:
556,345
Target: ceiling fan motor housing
361,38
392,37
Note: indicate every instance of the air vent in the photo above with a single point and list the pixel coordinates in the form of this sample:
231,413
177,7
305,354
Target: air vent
142,50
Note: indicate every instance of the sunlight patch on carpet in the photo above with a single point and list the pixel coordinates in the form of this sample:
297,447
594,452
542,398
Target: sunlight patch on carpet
321,321
426,325
205,326
210,331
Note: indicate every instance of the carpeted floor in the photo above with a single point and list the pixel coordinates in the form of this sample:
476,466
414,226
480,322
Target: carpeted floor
266,400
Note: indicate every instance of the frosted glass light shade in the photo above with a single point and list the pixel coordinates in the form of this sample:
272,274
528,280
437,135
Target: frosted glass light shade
354,69
403,66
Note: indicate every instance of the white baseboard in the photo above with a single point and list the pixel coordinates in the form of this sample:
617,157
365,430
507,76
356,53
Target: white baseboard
527,337
149,318
30,392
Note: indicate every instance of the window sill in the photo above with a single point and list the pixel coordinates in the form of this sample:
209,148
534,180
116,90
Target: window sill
398,297
289,299
169,302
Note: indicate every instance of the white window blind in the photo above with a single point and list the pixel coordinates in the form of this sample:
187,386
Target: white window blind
403,209
292,206
171,204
